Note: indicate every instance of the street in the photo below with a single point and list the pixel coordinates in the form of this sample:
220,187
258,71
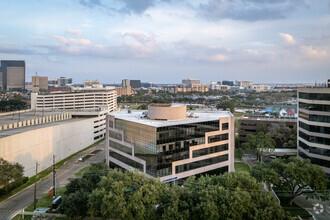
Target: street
24,198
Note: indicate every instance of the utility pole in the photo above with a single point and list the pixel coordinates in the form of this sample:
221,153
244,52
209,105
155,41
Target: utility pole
35,187
54,172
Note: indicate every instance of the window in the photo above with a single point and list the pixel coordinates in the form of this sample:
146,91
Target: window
219,137
314,96
126,160
225,126
210,150
200,163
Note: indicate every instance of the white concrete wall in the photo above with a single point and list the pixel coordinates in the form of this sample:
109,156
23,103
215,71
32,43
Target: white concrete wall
39,145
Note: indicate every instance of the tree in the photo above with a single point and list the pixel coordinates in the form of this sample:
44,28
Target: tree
9,172
128,195
75,198
293,177
283,135
260,143
226,105
131,195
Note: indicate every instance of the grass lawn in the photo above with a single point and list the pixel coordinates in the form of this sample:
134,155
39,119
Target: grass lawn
238,114
238,154
134,107
20,217
82,171
240,166
46,201
44,173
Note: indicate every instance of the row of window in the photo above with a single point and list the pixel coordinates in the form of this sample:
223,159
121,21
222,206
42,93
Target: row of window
317,118
210,150
313,128
200,163
314,96
314,150
314,139
314,107
218,137
126,160
185,131
120,147
115,135
320,162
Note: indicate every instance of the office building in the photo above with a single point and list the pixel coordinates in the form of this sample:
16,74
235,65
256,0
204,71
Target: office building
251,125
314,126
135,84
246,84
91,83
39,83
83,99
124,91
191,82
12,75
168,143
227,83
261,88
64,81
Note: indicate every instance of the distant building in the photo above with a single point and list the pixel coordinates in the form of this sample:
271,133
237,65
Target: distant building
84,99
314,126
39,83
64,81
167,143
146,84
124,91
12,75
52,82
191,82
91,83
246,84
250,125
260,88
227,83
135,84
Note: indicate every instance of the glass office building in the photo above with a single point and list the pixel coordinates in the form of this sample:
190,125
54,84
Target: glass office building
171,149
314,126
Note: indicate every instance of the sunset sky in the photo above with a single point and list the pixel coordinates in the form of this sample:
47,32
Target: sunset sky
164,41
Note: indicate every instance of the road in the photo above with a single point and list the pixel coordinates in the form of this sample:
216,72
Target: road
24,198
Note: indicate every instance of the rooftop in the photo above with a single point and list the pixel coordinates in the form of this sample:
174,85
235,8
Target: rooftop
192,117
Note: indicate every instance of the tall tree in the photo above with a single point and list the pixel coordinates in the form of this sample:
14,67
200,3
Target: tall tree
9,172
260,143
293,177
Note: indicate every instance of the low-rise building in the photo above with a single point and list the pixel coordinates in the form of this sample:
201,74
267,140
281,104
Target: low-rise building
168,143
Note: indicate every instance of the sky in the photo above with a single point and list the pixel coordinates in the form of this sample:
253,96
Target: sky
165,41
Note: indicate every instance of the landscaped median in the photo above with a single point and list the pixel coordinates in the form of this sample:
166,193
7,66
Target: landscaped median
44,173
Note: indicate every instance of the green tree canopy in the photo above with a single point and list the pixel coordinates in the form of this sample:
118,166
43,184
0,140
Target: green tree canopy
293,177
260,143
9,172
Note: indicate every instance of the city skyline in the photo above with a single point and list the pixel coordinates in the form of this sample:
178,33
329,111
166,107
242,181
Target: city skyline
167,41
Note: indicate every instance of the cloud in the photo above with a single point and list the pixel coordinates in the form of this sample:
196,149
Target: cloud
134,45
14,50
74,32
287,38
217,54
91,3
312,53
138,7
248,10
79,41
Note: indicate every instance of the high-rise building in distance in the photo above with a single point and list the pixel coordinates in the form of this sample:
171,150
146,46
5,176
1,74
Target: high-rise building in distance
39,83
12,74
191,82
314,126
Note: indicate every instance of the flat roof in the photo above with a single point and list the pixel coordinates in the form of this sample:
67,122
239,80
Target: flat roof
138,117
9,132
14,117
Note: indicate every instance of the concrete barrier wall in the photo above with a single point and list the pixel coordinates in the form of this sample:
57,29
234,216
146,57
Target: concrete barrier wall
42,120
39,145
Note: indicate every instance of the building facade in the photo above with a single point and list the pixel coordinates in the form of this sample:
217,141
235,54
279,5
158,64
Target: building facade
39,83
314,126
75,100
12,74
91,83
171,149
